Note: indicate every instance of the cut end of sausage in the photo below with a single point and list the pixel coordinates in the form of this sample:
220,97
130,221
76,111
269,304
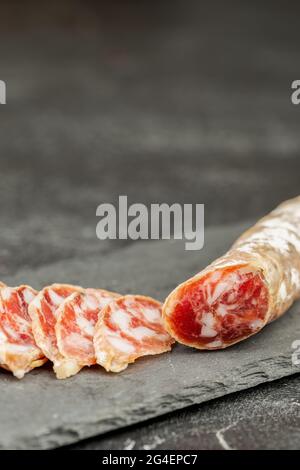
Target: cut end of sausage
218,309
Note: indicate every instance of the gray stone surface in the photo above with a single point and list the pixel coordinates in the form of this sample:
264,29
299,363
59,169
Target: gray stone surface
41,412
264,417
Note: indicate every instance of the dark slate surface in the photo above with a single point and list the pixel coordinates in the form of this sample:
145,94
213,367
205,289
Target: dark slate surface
94,402
265,417
164,101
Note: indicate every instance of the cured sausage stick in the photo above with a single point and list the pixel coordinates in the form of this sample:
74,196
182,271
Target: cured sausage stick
254,283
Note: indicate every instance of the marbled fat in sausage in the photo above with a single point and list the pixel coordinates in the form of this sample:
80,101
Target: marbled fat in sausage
43,313
75,326
18,350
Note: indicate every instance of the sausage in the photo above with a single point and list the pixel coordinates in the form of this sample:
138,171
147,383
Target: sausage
18,350
254,283
43,313
128,328
76,320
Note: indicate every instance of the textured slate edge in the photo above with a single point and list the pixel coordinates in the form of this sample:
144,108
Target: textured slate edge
266,370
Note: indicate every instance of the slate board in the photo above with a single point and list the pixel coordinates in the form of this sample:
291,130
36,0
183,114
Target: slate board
41,412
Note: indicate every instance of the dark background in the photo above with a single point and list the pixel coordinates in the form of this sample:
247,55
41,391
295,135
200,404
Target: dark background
166,101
